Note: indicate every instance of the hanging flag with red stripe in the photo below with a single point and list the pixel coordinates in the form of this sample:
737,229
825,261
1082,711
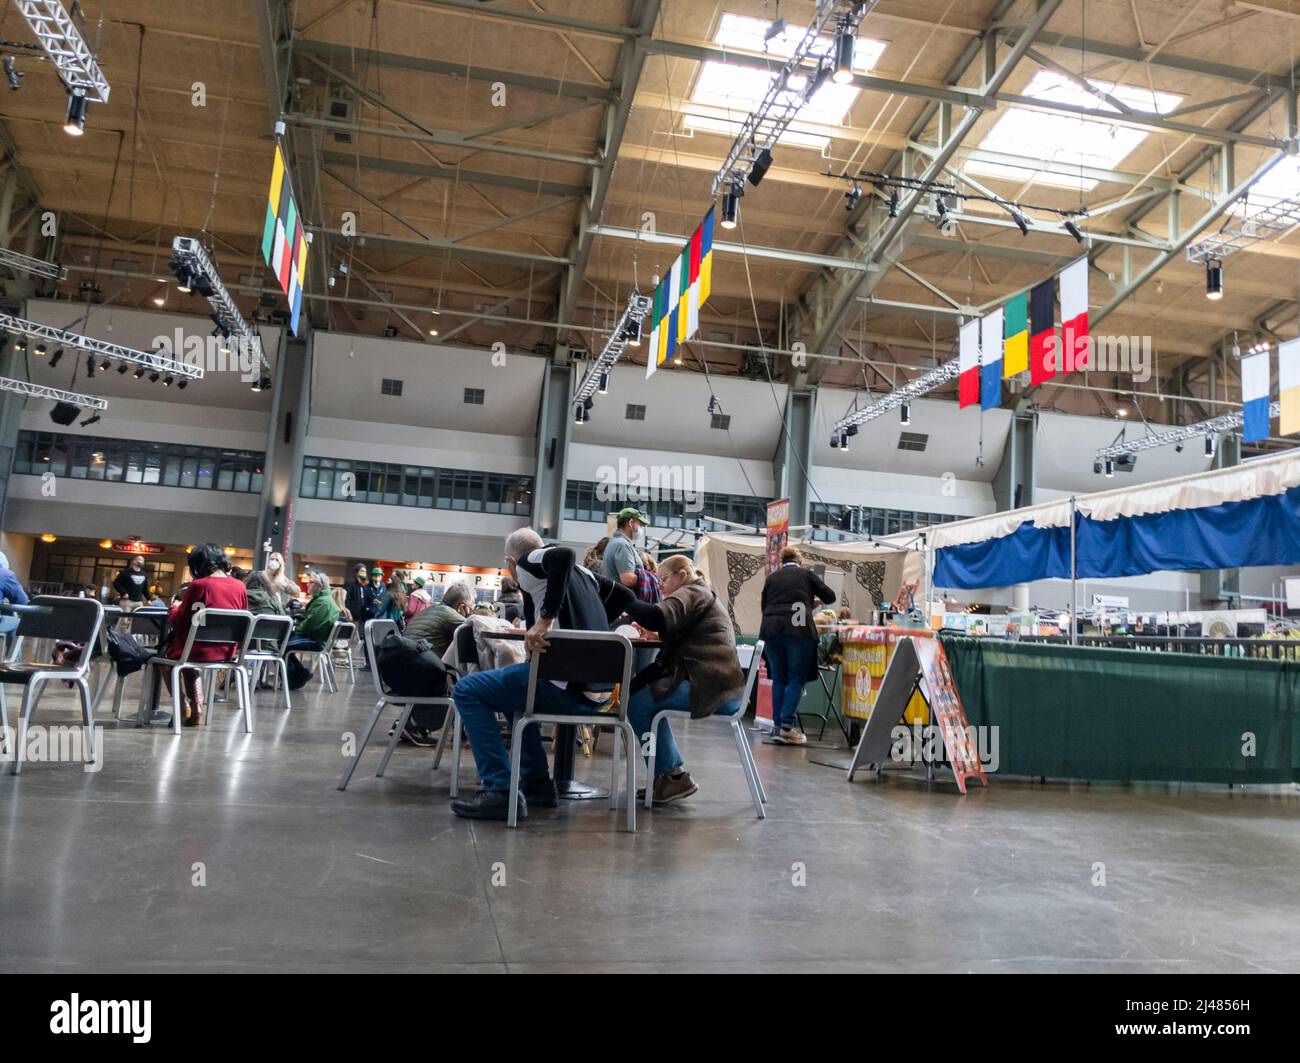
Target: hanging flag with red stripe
675,308
1042,315
284,244
968,363
1074,315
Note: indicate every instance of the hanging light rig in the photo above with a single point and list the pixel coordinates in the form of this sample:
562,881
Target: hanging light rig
627,333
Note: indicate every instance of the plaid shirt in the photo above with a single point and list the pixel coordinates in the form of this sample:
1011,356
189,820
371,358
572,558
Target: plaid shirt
648,587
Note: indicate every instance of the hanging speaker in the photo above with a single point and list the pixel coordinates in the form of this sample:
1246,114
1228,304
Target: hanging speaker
64,413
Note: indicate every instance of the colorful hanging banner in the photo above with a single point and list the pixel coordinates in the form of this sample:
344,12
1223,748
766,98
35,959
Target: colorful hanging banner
991,360
1288,384
1074,315
284,245
675,308
1015,355
968,363
1254,397
1042,316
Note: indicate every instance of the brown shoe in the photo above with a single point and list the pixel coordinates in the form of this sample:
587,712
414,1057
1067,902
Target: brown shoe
671,787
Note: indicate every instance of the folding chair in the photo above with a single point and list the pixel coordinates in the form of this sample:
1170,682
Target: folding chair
266,648
467,662
146,627
345,633
228,627
71,619
373,634
750,658
325,655
593,657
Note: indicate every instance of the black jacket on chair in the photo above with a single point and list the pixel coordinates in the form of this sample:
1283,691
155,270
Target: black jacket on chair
785,589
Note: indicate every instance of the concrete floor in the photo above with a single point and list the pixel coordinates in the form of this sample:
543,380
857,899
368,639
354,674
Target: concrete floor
97,870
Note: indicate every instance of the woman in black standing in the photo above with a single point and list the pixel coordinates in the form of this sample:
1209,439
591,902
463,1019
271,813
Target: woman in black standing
790,640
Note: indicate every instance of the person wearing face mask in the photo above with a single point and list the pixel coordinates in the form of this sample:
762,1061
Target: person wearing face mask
622,558
438,622
284,586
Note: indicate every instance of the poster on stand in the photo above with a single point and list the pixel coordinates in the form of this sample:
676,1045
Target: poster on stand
778,532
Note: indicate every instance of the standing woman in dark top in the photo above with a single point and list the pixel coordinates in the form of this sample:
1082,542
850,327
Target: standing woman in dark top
790,640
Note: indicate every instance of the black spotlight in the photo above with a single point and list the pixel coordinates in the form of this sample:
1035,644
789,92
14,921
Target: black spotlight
581,414
121,369
1073,230
39,350
1209,446
12,72
90,420
603,387
1178,448
851,197
835,441
633,333
104,365
1110,468
844,42
180,384
761,165
138,373
844,441
851,431
153,377
905,417
730,208
90,365
54,360
183,281
64,413
893,203
1096,468
20,344
76,123
167,380
1214,279
1021,222
263,383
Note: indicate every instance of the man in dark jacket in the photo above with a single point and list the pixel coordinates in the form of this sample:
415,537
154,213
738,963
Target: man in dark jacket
790,640
557,593
131,585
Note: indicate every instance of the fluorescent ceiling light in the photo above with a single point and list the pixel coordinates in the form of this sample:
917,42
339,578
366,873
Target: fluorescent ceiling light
1062,138
725,93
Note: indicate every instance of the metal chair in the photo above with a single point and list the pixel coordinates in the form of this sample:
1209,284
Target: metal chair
750,658
373,634
595,657
146,627
267,647
345,632
325,655
228,627
71,619
467,662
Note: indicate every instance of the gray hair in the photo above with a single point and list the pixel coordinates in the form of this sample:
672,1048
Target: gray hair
457,594
522,542
319,578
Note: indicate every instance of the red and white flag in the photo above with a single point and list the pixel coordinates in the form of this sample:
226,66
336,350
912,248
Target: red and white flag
968,363
1074,315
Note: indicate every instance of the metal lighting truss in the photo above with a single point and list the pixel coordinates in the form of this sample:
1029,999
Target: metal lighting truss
923,384
1227,423
1255,225
782,104
189,257
162,363
66,47
638,306
27,264
39,391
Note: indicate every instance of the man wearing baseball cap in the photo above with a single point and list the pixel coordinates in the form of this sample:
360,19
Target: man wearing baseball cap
622,558
376,593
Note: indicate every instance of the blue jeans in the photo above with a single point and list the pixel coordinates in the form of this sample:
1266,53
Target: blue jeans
302,644
641,711
790,662
480,696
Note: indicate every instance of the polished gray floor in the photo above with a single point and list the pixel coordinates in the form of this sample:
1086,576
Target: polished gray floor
98,870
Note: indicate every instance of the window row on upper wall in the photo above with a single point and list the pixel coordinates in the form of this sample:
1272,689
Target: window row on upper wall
388,484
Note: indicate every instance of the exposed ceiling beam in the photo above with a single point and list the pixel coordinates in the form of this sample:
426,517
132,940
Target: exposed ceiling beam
436,246
631,62
479,9
723,247
454,173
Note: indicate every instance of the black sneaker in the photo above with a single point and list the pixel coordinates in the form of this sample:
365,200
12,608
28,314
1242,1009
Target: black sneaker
541,792
418,736
488,804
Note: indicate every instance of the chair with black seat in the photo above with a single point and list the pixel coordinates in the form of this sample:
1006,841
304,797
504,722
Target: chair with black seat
597,659
750,659
67,619
345,636
267,649
226,627
466,662
372,635
325,656
146,627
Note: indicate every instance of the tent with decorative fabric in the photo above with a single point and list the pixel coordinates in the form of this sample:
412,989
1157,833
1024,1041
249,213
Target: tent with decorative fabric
1240,517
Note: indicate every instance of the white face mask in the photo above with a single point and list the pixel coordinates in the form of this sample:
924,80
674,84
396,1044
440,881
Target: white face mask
273,566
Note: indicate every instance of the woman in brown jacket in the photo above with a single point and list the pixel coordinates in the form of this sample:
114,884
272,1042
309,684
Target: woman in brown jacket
697,669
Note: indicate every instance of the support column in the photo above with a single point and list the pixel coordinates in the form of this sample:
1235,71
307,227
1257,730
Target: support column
285,438
792,463
554,421
1013,484
1222,587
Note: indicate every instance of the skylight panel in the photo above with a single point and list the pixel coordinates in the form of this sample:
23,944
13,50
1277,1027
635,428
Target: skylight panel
725,93
1065,139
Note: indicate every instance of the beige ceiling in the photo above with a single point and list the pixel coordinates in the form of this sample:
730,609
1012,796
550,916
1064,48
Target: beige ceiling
153,165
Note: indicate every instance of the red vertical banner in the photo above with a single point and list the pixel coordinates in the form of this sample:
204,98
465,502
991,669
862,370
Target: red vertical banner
778,532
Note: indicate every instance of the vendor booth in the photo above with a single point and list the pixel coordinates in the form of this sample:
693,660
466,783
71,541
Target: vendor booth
1080,712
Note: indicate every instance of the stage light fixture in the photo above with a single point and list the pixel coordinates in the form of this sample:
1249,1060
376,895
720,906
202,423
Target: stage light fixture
580,414
905,411
181,384
20,344
1214,279
852,197
603,387
138,373
183,282
632,333
75,126
893,203
1178,448
1073,230
168,380
844,42
1021,222
12,72
1110,468
153,377
835,441
94,417
844,441
104,365
761,165
90,366
54,359
730,208
774,30
39,350
1209,446
121,369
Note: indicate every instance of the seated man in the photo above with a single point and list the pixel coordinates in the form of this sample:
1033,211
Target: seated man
438,623
558,593
313,627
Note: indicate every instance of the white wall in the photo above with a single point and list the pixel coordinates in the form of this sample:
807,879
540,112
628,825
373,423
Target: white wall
330,437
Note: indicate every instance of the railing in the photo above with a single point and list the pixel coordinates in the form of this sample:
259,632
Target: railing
1262,648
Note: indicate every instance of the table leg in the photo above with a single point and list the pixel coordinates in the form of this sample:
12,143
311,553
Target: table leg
569,789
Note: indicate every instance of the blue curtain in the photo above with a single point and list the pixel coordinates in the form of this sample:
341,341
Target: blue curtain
1261,531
